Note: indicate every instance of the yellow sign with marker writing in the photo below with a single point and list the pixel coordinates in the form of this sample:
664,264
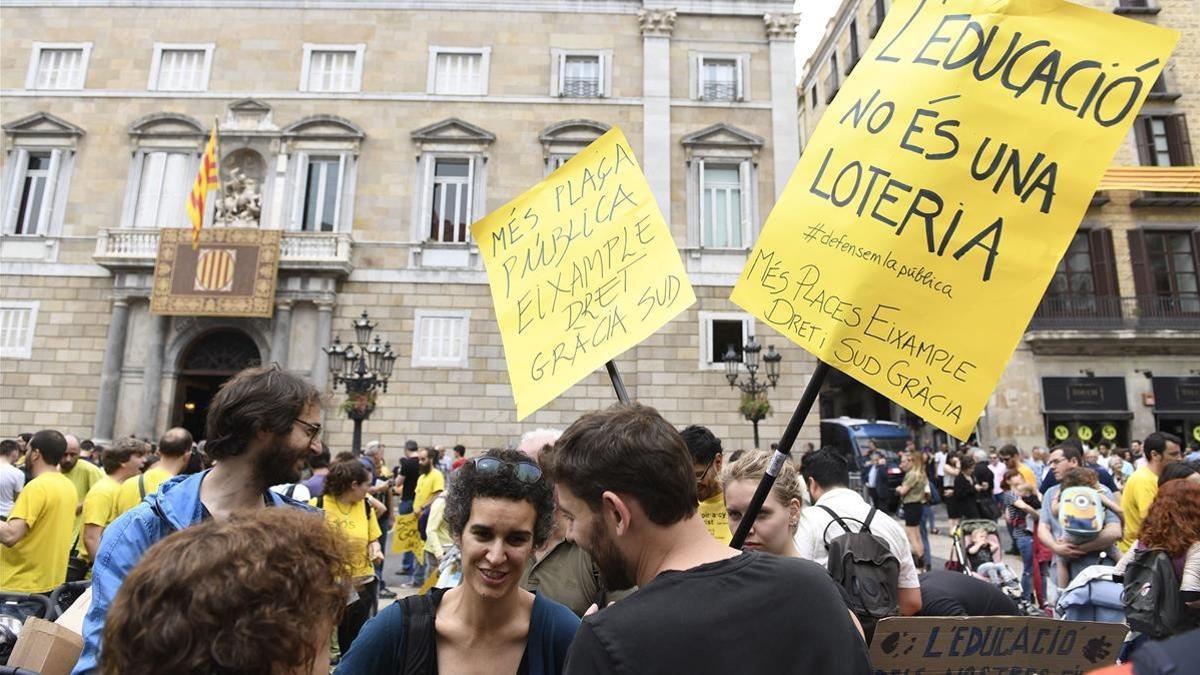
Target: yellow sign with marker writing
939,191
582,267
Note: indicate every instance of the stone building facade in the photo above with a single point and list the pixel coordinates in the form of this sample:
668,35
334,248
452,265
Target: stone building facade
376,131
1113,351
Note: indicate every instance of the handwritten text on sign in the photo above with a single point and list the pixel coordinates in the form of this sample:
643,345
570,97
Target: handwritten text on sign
940,189
582,267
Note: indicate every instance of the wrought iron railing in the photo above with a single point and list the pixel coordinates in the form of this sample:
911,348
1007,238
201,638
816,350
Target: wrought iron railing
1100,312
719,91
581,87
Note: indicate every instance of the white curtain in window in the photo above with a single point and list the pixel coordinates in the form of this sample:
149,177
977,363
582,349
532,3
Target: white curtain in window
459,74
181,70
164,190
331,71
721,204
60,69
441,338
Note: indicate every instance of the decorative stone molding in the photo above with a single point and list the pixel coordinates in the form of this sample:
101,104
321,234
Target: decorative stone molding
781,26
660,22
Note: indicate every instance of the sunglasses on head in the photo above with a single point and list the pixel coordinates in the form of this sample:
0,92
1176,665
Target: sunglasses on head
525,471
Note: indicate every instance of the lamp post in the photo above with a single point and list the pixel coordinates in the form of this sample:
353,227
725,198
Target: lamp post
754,392
363,366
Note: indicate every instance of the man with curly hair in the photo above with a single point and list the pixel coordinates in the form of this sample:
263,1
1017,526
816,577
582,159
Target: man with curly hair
262,426
273,588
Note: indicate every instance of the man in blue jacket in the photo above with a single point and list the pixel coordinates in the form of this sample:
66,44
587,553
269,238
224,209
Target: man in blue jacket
262,425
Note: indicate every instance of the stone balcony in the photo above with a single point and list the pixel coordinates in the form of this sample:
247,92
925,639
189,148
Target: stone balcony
305,252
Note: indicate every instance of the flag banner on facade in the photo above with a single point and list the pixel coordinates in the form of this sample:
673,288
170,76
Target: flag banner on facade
939,191
1152,178
582,267
230,271
993,644
206,179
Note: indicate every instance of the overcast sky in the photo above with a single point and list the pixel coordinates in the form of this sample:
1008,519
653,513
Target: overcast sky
814,16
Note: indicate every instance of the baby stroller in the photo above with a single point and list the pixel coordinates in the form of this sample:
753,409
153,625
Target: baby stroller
15,608
960,561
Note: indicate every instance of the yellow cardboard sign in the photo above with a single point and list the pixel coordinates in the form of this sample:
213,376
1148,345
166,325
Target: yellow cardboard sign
940,189
582,267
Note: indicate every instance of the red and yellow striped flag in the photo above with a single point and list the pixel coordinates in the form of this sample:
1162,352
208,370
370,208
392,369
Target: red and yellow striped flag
206,179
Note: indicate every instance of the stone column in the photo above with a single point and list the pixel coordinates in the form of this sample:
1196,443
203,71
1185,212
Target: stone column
657,25
281,333
785,137
110,375
320,370
152,377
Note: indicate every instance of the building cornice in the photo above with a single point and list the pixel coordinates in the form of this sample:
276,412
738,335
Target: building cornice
702,7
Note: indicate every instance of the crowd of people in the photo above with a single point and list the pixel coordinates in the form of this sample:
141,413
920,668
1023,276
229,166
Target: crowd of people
599,548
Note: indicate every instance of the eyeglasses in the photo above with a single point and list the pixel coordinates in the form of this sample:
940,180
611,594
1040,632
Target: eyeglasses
314,430
708,466
526,472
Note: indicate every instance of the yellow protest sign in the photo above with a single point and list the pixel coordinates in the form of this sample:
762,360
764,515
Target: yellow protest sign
407,537
936,196
582,267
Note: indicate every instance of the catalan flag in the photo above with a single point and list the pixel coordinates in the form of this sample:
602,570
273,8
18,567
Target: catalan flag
206,179
1152,178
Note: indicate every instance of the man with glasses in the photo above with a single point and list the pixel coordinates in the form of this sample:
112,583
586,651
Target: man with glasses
262,425
706,462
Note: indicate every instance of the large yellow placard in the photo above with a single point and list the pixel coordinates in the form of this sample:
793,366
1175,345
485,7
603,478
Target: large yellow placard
582,267
940,189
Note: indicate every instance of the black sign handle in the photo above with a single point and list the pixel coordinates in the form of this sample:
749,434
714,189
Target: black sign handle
617,383
782,452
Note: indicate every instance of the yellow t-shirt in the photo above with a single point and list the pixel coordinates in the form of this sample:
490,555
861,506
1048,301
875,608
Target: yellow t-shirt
358,524
99,507
130,495
38,562
716,518
83,476
1140,491
437,530
427,485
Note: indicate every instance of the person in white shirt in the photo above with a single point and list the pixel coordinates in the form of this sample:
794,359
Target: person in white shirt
12,479
827,474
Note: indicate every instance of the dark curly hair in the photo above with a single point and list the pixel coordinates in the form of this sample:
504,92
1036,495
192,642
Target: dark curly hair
256,593
468,483
1173,521
343,474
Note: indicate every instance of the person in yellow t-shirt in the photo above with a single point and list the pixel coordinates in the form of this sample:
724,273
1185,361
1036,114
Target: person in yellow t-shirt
35,542
1159,449
83,475
347,510
430,482
707,457
123,460
174,450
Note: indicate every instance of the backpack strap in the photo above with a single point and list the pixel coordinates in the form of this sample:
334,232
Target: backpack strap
418,638
142,487
291,491
866,527
321,501
367,512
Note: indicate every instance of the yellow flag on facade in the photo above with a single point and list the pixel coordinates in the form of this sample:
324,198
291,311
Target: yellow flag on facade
206,179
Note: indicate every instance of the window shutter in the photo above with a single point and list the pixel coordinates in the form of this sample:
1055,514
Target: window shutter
606,74
1196,254
560,67
337,203
299,188
1141,266
1144,140
1178,143
704,226
51,193
470,203
150,190
698,79
20,165
747,191
743,72
1103,262
175,191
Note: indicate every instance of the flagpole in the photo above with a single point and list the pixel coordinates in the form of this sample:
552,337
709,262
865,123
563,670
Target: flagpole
217,162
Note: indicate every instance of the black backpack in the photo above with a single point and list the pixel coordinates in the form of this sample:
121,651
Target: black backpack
1153,602
862,563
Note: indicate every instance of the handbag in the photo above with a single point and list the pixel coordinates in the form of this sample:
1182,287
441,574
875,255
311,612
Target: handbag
988,507
77,567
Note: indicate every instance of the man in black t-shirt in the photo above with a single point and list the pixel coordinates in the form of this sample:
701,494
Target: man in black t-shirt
625,482
945,593
407,472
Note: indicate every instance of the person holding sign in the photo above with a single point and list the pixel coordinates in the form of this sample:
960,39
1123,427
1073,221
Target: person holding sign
625,482
707,458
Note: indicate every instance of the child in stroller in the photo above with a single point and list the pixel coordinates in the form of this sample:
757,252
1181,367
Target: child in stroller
976,550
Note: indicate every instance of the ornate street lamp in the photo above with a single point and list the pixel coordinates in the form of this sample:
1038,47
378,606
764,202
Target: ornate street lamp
362,368
754,406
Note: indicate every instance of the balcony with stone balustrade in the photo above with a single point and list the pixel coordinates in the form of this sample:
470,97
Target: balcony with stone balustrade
300,252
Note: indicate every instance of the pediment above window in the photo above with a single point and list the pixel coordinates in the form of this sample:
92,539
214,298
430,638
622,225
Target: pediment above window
167,125
42,125
453,131
571,136
722,135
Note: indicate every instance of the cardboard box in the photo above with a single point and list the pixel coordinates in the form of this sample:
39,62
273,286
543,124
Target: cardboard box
46,648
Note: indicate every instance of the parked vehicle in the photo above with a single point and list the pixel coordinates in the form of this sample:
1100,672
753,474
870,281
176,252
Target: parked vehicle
851,437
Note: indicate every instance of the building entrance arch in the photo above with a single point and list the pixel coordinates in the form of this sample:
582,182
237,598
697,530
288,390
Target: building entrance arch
207,362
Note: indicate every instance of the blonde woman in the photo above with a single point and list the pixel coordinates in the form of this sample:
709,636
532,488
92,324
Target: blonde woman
774,530
912,500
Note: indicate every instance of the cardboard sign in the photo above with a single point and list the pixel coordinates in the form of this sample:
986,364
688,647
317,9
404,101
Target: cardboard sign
941,188
582,267
231,272
45,647
993,644
407,537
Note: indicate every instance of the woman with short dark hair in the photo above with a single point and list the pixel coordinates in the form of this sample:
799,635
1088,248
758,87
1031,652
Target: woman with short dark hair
499,508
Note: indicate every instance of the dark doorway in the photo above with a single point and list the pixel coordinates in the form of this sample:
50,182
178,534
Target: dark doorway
845,396
208,362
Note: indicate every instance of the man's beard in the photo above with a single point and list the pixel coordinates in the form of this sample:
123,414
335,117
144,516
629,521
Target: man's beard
276,464
608,558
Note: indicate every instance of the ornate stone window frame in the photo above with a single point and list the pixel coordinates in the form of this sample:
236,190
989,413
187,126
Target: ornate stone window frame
321,136
724,144
159,132
451,138
39,132
561,141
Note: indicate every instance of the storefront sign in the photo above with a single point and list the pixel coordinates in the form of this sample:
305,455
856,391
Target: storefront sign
1177,393
1074,394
